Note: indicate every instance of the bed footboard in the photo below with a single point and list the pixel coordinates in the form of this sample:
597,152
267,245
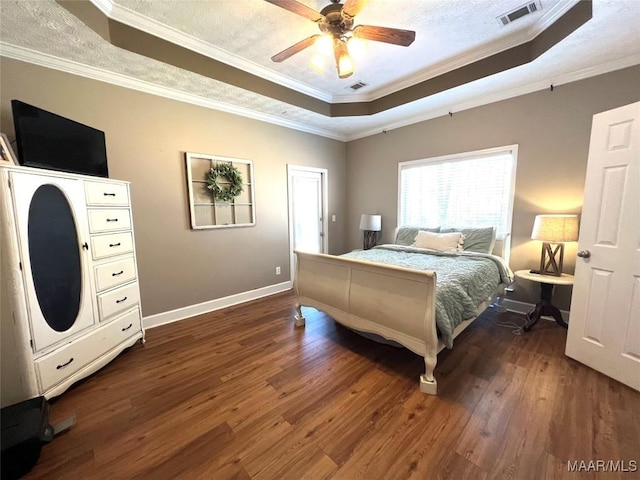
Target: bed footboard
396,303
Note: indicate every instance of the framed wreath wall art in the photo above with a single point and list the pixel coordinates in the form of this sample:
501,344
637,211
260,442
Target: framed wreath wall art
221,191
225,182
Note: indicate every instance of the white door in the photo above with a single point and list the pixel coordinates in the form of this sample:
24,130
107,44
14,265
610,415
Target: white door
604,325
307,222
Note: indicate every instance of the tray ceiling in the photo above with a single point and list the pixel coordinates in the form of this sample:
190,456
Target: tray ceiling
244,34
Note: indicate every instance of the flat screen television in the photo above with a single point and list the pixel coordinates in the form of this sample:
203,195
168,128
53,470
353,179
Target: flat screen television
47,140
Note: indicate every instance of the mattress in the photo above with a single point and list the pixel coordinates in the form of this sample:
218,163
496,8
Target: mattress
464,280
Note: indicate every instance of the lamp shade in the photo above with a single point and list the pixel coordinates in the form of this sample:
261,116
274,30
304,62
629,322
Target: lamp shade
555,228
371,223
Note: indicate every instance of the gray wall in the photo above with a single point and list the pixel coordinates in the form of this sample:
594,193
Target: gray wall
552,130
146,137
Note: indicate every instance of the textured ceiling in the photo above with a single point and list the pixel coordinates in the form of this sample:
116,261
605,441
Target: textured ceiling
246,33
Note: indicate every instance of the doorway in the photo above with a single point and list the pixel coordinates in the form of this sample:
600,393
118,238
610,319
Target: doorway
307,210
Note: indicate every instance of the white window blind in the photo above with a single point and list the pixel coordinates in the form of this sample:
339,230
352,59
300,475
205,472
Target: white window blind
468,190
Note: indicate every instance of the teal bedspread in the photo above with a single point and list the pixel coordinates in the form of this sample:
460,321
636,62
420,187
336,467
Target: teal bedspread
463,279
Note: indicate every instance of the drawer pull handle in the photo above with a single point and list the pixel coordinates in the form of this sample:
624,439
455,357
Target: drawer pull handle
64,364
109,194
116,274
112,219
115,244
121,300
127,328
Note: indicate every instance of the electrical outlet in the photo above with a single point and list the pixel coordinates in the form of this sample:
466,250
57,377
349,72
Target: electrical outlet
278,271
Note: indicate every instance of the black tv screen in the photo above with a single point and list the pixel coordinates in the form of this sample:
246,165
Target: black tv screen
47,140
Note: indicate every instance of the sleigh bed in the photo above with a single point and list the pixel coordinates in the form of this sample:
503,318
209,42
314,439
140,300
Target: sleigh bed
419,298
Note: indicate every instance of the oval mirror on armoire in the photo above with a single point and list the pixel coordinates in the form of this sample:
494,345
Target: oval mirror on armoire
55,257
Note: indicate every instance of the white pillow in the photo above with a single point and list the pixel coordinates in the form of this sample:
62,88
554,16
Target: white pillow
443,242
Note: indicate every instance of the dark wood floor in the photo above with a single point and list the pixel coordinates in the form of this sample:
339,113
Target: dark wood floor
241,393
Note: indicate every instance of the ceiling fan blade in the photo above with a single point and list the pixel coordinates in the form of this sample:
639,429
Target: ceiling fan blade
295,48
298,8
395,36
353,7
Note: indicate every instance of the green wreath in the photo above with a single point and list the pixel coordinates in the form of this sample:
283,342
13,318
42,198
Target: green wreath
230,188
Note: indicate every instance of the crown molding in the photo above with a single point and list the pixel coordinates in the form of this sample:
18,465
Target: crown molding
133,19
549,17
105,6
138,21
140,41
480,100
75,68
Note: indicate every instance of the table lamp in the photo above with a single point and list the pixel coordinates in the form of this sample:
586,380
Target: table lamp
554,231
371,224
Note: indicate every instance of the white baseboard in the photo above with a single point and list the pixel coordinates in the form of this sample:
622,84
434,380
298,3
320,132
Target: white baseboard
212,305
205,307
524,308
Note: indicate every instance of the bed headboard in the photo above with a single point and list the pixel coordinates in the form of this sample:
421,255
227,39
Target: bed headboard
501,248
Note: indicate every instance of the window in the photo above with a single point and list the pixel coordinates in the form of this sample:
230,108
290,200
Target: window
473,189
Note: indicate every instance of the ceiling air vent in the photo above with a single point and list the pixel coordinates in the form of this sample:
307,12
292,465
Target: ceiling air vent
357,86
526,9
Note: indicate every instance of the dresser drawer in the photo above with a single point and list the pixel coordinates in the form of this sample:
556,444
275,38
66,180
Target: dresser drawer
125,326
67,360
108,220
115,273
103,246
118,300
103,193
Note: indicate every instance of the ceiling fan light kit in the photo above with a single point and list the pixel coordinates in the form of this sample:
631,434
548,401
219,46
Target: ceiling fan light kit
317,62
324,44
335,21
344,63
357,47
349,50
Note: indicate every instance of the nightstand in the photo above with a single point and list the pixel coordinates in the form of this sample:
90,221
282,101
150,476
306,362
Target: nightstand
544,306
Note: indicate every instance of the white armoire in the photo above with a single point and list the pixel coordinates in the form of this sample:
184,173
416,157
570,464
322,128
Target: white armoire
69,297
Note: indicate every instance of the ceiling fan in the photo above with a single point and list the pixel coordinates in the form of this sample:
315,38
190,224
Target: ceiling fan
335,22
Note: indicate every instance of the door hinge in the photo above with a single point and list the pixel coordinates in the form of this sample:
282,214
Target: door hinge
20,265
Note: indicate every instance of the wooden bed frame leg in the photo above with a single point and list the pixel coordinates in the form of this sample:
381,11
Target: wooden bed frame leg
299,319
428,383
